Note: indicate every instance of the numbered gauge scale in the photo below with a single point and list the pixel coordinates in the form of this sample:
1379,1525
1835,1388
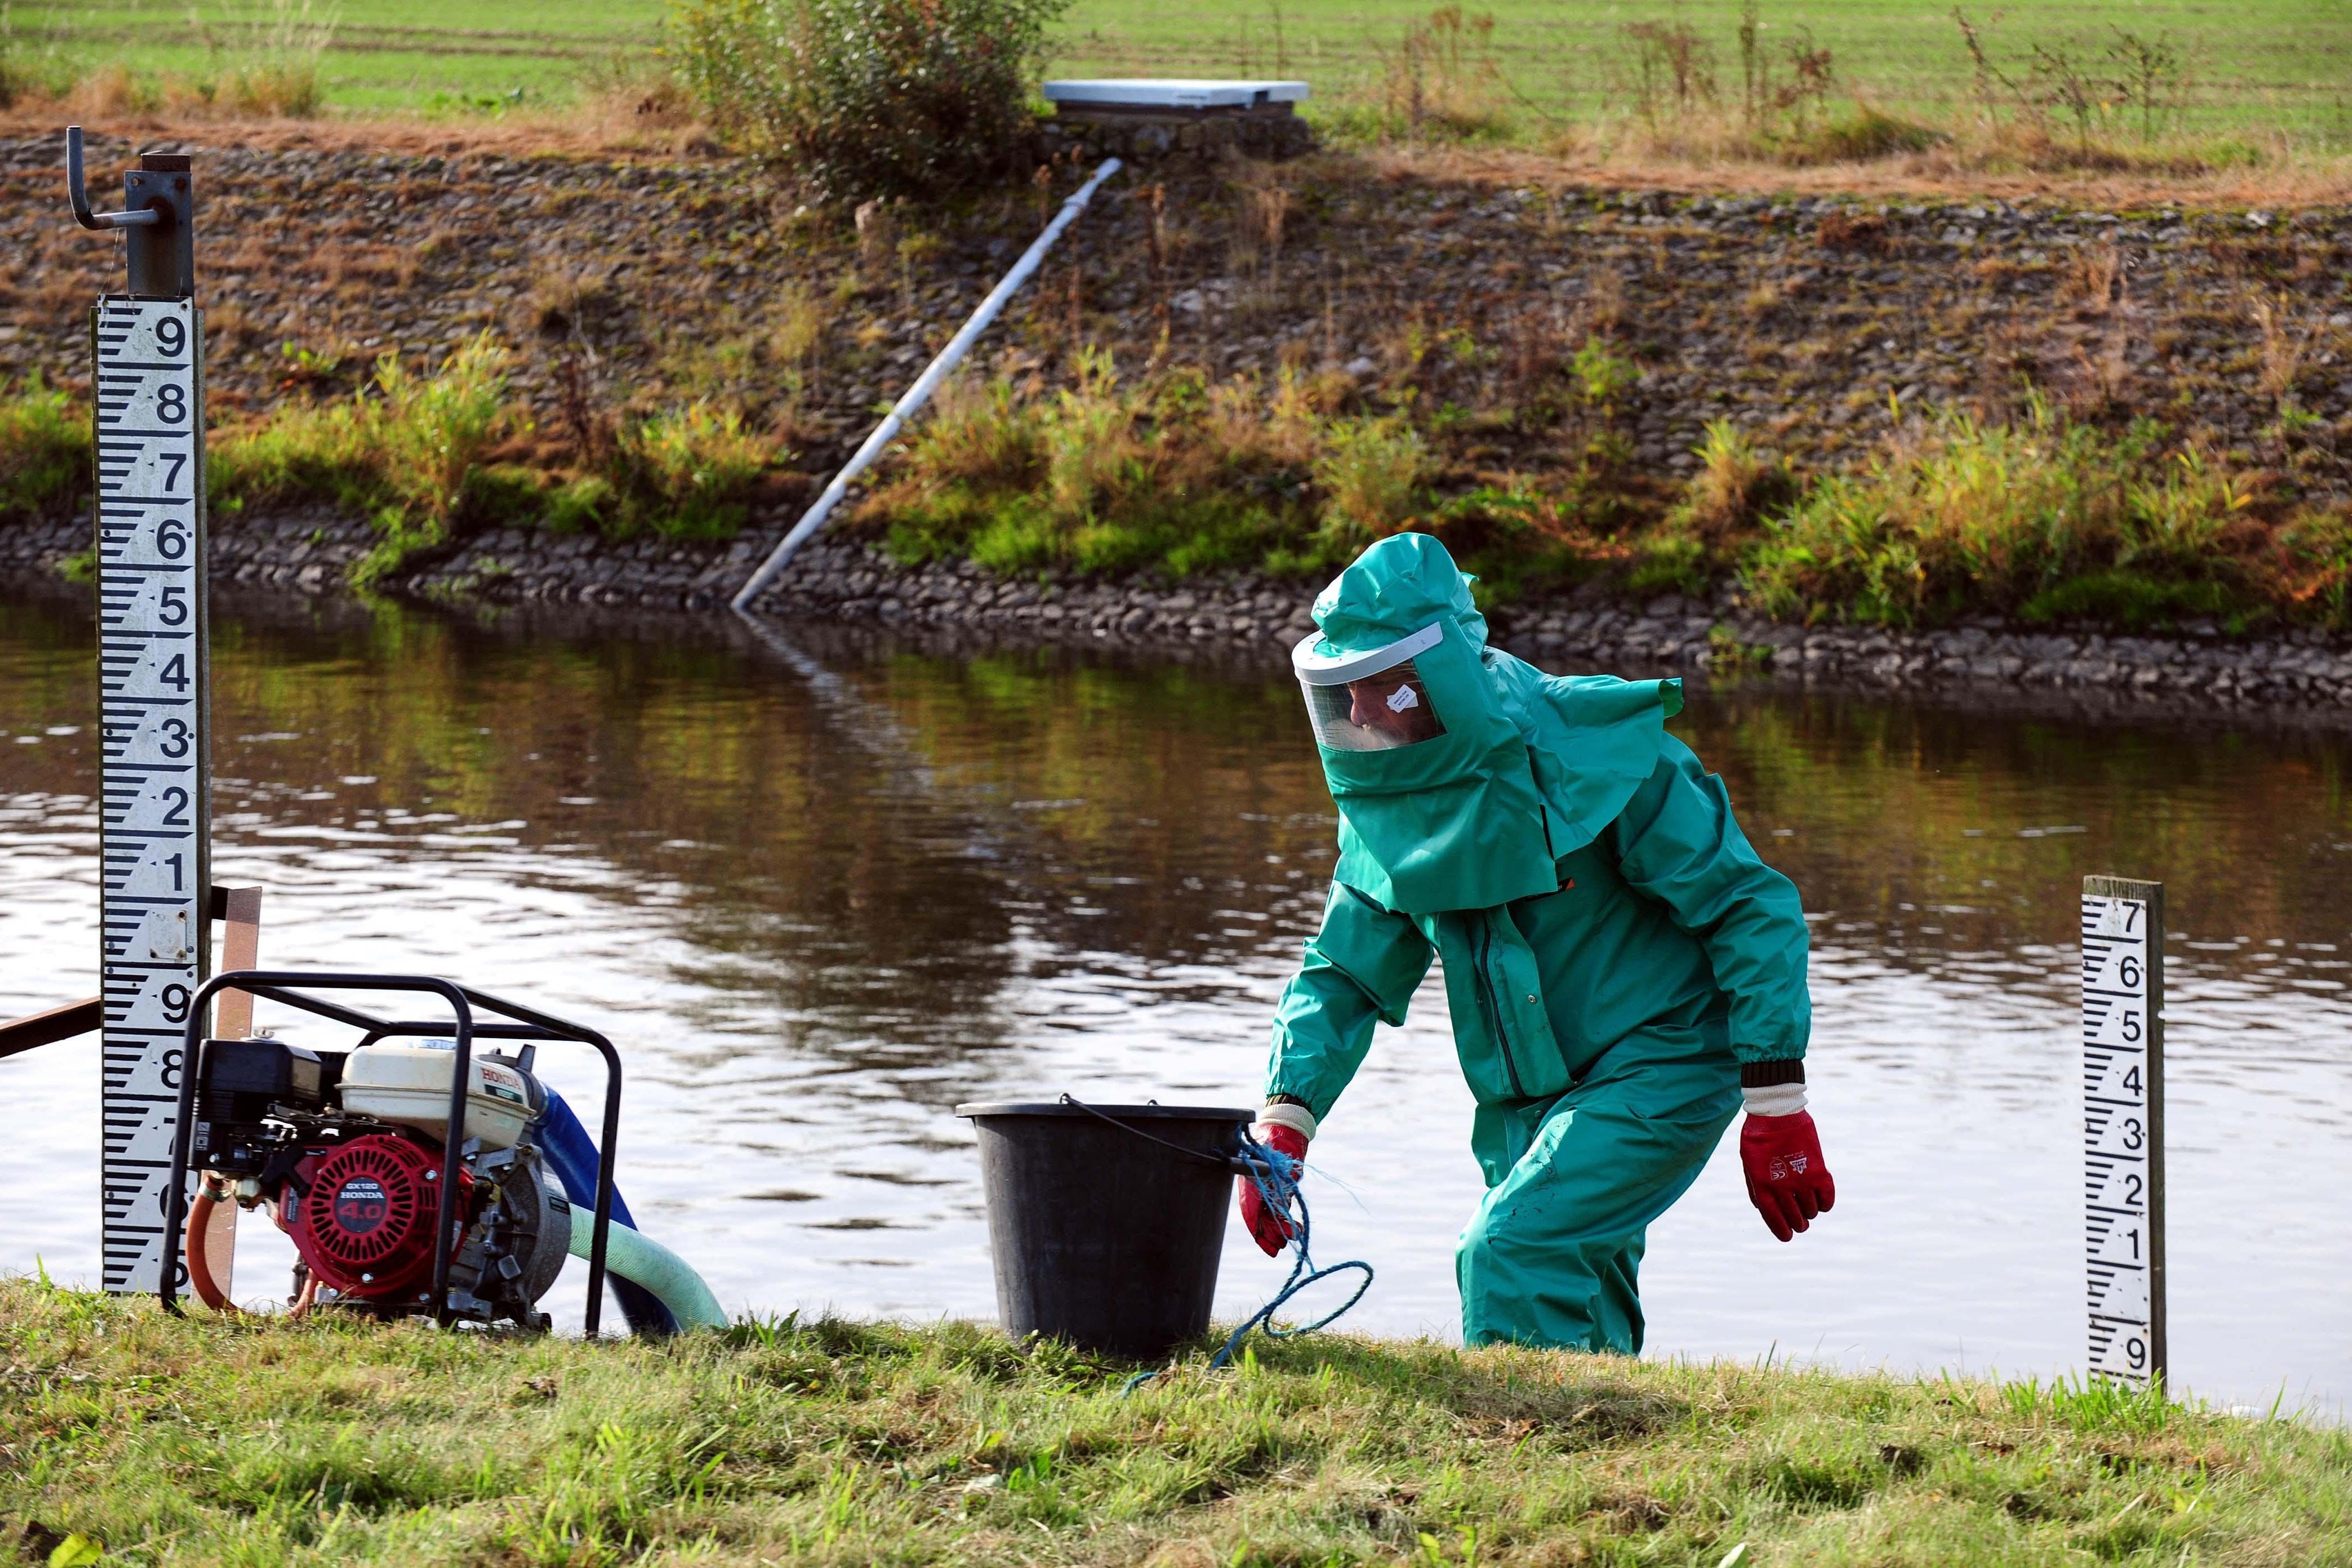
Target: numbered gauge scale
2123,1126
152,686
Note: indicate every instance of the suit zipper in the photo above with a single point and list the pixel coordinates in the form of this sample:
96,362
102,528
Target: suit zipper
1495,1013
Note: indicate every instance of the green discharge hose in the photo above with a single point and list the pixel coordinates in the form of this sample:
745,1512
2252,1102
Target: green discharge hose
644,1261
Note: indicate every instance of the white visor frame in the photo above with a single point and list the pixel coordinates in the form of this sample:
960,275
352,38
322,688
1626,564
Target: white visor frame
1324,670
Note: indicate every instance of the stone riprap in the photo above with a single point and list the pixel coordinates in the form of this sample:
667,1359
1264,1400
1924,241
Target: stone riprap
1803,318
1257,618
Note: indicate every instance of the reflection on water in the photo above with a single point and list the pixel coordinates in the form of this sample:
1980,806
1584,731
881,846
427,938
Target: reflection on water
823,891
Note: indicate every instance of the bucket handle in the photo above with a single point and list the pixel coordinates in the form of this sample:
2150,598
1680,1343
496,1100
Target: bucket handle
1236,1164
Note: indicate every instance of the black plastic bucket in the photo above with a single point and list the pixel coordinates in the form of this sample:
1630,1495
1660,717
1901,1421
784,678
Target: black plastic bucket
1100,1236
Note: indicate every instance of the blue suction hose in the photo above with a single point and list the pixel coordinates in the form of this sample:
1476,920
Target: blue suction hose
572,1153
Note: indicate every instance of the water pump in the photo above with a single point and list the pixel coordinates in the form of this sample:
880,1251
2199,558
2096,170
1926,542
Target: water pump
347,1152
416,1176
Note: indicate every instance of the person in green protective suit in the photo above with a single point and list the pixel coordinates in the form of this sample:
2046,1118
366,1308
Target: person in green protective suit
1622,970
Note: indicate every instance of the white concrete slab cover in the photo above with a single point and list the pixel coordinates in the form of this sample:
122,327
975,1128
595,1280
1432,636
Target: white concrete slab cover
1174,92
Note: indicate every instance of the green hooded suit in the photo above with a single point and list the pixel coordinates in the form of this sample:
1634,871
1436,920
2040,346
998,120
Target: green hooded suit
1613,949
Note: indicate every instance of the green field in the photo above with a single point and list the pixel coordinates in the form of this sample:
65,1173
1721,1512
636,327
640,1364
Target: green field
2282,65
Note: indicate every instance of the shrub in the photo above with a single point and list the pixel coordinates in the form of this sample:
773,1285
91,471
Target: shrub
1371,470
1859,138
686,473
46,455
867,98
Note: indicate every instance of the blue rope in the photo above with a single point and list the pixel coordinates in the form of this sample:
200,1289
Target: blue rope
1275,1176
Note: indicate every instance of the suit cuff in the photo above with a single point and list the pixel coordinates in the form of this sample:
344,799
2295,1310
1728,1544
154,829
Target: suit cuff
1290,1113
1774,1100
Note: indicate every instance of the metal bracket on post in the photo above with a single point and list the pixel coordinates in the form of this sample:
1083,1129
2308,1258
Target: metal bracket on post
154,674
2123,1127
158,219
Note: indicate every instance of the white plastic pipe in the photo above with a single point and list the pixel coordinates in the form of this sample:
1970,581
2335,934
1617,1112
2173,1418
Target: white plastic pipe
920,392
642,1261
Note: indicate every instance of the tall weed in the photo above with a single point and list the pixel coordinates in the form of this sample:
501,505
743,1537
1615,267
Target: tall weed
273,71
433,430
407,449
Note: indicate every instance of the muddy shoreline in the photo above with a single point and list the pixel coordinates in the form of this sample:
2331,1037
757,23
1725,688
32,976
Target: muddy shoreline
1248,620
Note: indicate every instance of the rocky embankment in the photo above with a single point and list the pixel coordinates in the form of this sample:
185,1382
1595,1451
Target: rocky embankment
633,285
2298,674
638,284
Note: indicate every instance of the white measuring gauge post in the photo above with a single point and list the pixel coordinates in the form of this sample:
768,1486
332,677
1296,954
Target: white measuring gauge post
151,693
2123,1125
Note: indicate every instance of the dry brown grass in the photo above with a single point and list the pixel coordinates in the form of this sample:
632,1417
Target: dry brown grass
2286,343
637,123
228,328
564,296
2308,181
61,296
2093,278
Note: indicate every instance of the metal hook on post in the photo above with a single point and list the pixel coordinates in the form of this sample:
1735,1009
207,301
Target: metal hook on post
160,209
80,197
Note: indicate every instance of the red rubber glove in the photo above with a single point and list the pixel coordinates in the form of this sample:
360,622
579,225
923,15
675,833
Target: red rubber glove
1272,1231
1788,1181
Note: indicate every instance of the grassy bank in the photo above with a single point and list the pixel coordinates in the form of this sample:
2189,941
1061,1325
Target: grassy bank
203,1442
2038,519
426,455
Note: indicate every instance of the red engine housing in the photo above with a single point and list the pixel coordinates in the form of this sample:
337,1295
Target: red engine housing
365,1221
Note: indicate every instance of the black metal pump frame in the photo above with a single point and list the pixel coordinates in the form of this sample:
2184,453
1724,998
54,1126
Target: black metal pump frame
527,1024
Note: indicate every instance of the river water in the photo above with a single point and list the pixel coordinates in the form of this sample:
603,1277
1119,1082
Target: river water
823,891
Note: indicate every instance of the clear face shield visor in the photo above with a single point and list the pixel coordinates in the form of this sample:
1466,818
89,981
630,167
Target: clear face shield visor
1374,701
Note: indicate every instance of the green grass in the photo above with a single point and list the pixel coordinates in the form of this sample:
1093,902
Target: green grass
46,451
2274,63
2270,65
166,1442
387,57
